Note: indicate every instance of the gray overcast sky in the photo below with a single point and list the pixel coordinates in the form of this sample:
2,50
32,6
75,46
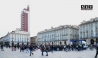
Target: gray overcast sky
44,14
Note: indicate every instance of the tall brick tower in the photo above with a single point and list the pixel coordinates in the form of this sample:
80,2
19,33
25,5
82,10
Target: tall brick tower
25,19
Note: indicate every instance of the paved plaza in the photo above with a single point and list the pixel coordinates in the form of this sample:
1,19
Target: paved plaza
7,53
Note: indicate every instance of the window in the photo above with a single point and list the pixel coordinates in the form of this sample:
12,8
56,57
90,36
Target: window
91,34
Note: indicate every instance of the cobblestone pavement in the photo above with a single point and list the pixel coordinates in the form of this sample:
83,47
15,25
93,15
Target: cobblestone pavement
7,53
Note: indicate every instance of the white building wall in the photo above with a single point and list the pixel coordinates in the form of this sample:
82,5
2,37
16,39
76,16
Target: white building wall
91,28
16,37
58,35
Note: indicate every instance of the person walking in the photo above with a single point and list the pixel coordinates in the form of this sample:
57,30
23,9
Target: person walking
57,47
52,48
20,47
27,48
15,47
2,47
42,49
96,50
31,48
9,46
64,47
46,50
67,48
72,47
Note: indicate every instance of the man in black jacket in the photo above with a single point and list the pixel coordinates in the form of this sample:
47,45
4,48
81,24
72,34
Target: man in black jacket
52,48
31,48
2,47
42,49
46,50
96,50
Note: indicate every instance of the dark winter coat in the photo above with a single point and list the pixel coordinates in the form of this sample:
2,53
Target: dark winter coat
31,47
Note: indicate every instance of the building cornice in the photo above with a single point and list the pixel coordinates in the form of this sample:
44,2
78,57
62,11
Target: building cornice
59,28
92,20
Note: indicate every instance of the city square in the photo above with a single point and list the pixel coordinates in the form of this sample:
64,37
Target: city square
8,53
51,27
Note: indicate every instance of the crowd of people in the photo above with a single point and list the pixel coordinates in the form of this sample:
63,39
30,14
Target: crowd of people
66,47
49,48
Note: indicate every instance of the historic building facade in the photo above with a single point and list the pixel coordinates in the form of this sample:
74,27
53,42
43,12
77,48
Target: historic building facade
58,35
16,37
88,30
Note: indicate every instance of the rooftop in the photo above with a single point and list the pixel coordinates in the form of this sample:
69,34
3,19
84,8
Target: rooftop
60,27
90,21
